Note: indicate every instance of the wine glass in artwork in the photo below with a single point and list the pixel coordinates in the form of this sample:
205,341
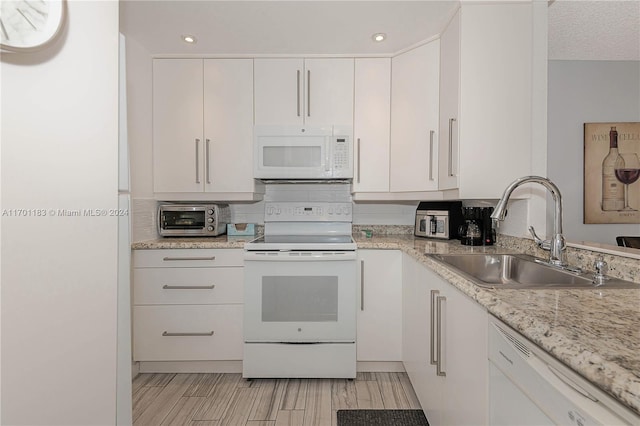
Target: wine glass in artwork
627,170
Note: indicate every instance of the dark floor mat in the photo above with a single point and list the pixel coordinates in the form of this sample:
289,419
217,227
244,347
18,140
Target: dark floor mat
382,418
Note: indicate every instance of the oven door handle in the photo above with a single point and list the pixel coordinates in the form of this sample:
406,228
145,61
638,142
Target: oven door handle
285,256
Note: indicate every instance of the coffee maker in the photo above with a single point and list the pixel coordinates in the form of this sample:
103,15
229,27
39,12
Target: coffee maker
477,229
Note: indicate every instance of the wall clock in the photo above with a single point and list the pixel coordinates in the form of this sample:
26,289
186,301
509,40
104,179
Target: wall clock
28,25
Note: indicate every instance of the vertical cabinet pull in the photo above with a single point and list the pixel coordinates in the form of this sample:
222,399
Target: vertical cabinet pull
358,157
298,92
207,160
451,120
439,370
197,160
431,133
432,333
362,285
308,93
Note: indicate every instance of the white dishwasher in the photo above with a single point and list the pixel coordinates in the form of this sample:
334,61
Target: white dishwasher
529,387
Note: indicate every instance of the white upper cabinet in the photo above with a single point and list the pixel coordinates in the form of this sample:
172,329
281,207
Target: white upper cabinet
228,130
177,125
304,91
202,129
372,121
414,119
449,100
496,85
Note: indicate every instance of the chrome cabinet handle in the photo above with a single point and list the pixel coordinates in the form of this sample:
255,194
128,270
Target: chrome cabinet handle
432,333
170,259
308,93
451,120
431,133
188,287
439,370
298,92
206,333
197,160
206,158
362,285
358,156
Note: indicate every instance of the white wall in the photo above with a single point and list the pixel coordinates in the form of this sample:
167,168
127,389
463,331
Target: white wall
584,92
59,151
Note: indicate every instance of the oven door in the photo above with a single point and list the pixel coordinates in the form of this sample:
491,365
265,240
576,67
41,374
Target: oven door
300,297
182,220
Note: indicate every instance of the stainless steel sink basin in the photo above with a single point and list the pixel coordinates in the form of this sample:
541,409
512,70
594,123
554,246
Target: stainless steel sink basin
521,271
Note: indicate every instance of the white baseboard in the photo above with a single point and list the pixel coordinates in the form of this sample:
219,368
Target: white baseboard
380,366
190,366
236,367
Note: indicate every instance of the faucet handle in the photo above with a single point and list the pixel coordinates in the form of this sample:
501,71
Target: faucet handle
543,244
601,268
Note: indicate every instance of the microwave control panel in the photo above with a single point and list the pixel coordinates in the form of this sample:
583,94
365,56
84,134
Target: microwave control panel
341,157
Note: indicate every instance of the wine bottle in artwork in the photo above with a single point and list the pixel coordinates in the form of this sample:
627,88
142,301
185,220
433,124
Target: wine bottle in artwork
612,188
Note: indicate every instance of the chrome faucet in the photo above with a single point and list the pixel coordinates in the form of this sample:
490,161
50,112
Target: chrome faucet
557,245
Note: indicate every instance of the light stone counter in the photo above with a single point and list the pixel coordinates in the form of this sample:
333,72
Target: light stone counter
595,332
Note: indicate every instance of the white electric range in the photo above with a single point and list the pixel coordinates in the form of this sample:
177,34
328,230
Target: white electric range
300,293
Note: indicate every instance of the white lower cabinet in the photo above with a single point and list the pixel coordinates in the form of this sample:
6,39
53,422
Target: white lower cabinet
444,335
379,306
187,305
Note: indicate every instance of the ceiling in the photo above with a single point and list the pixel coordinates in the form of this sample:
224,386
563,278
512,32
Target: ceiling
578,29
282,27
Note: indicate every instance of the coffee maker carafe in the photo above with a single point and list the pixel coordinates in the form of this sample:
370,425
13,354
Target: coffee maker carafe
477,229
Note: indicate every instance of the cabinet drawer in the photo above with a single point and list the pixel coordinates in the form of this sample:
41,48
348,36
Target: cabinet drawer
187,258
162,333
195,286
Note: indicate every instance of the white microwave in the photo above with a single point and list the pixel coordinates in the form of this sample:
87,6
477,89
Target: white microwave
299,152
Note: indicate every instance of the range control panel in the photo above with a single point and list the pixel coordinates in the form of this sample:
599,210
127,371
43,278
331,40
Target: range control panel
308,212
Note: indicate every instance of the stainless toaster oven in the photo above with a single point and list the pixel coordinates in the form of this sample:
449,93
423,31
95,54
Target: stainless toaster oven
192,220
438,219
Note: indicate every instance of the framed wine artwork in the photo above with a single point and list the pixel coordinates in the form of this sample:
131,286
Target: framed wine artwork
612,172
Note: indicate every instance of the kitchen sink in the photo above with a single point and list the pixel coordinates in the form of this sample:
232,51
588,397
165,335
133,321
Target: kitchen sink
521,271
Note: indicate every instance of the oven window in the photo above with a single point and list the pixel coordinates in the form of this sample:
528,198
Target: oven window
292,156
183,220
299,298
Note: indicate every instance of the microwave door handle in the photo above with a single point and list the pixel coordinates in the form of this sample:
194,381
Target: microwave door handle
298,93
327,157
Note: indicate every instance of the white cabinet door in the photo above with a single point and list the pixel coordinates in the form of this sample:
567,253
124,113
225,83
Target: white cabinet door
279,91
417,343
380,306
459,395
304,91
496,79
177,125
228,125
328,91
372,120
465,360
449,101
414,119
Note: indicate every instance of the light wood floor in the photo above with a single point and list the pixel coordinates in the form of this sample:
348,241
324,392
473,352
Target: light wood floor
228,399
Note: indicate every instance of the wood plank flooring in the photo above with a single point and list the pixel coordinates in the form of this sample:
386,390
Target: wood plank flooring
228,399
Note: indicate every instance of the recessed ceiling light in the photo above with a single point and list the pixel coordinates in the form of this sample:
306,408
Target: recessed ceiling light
188,38
379,37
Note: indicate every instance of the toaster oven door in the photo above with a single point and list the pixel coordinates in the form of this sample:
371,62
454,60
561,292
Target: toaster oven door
186,220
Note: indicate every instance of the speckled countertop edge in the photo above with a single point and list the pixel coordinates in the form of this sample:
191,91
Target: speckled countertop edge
594,332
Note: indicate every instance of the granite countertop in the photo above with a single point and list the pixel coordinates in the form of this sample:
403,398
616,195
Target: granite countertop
595,332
